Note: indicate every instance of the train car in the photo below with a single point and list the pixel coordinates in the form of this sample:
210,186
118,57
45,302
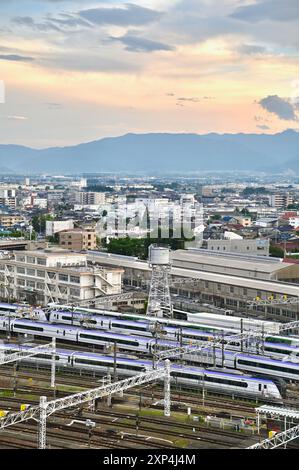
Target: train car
83,336
259,365
186,376
180,334
235,323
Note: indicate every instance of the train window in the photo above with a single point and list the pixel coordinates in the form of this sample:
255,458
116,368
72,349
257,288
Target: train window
118,341
281,351
220,380
269,366
260,387
47,356
108,364
128,327
26,327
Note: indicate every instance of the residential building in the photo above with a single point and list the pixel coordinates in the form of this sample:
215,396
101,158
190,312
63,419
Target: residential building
10,220
78,239
281,200
90,198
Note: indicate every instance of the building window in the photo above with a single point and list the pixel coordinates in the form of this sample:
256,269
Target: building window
75,279
75,292
41,261
31,272
20,270
30,284
63,277
51,275
21,282
40,273
31,259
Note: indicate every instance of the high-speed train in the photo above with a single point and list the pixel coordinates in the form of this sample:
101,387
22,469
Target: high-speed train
234,360
193,377
131,323
83,336
259,365
199,318
143,328
142,344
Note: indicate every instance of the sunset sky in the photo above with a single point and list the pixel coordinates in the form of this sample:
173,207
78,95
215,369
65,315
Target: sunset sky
76,70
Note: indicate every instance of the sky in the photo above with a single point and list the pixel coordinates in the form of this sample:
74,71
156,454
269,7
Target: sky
76,71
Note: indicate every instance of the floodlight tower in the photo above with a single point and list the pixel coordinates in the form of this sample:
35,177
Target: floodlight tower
159,294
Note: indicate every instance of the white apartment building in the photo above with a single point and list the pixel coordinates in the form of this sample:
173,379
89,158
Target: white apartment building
294,221
56,226
281,201
8,197
54,275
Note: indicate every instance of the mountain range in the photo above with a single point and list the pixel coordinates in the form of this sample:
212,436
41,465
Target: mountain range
160,153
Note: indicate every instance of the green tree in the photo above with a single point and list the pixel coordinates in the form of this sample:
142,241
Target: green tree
38,222
276,251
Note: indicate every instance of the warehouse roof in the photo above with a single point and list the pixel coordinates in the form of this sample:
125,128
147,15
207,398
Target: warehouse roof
198,259
274,287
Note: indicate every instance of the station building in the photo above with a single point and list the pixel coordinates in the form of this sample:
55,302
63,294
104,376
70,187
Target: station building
222,288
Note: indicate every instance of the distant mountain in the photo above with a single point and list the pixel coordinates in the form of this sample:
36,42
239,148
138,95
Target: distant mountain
160,153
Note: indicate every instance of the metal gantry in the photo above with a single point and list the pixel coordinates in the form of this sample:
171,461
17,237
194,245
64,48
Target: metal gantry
6,358
15,418
284,300
288,326
46,408
214,342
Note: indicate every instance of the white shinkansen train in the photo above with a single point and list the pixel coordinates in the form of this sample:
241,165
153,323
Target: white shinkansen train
190,376
234,360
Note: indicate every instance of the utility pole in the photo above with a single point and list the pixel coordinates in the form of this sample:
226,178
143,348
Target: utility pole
53,365
241,321
114,361
222,351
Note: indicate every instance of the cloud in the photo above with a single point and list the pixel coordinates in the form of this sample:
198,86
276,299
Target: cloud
53,105
263,127
252,49
140,44
129,15
16,58
192,100
274,10
29,22
282,108
17,118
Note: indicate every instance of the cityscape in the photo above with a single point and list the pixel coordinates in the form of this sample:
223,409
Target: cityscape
149,227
